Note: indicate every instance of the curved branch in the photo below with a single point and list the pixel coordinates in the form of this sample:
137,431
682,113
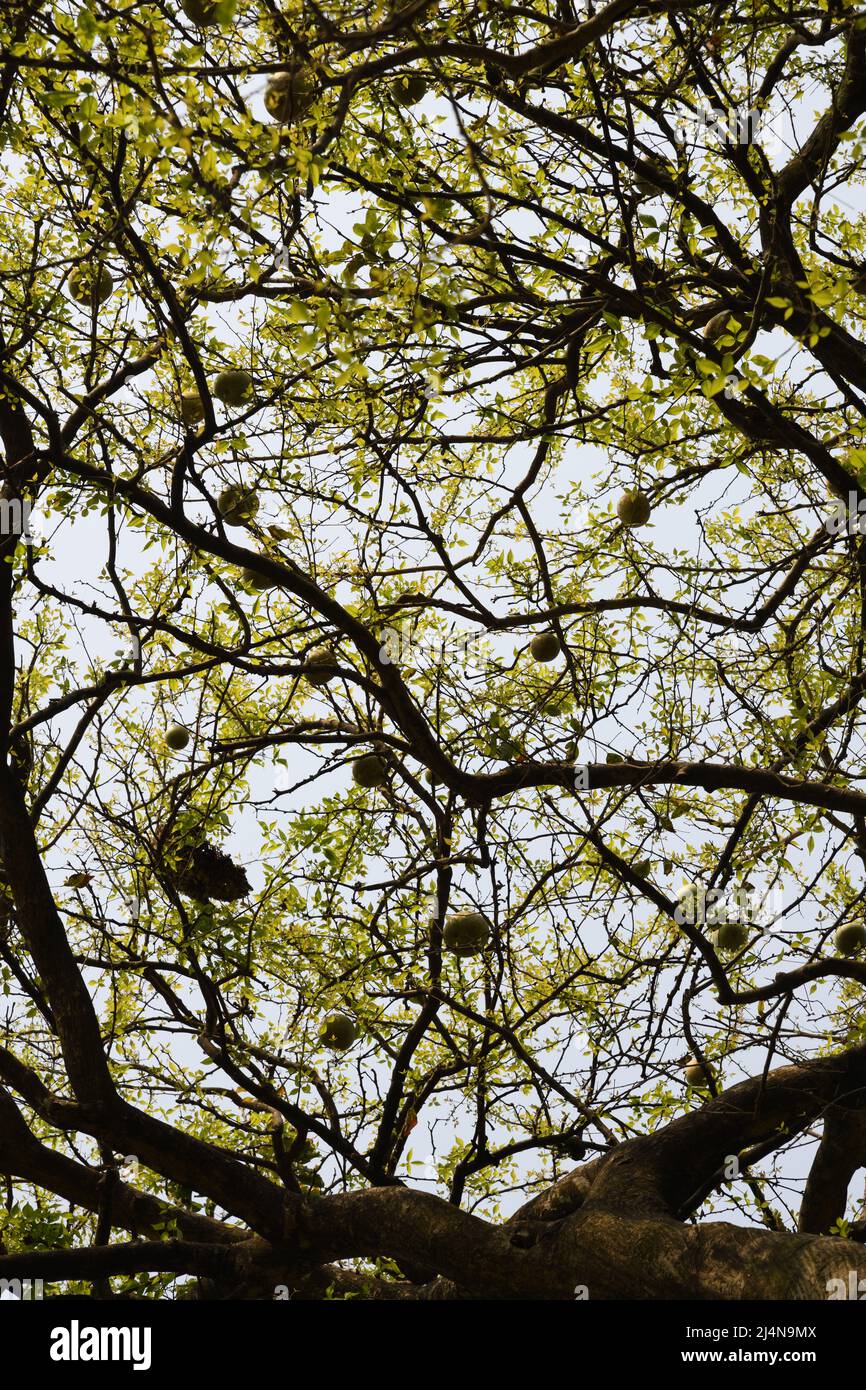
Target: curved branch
841,1152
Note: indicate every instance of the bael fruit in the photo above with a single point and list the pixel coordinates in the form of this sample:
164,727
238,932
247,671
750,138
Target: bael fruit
409,90
338,1032
191,407
718,326
290,95
90,284
634,508
203,13
545,646
730,936
237,505
466,933
850,938
370,771
177,737
233,387
258,581
697,1074
320,666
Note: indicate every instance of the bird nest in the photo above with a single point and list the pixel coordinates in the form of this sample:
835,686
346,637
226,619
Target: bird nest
206,874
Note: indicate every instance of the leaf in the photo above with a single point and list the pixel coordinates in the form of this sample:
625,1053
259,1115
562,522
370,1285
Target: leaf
78,880
58,99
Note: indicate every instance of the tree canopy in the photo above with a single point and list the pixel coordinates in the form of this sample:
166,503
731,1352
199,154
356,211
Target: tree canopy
432,648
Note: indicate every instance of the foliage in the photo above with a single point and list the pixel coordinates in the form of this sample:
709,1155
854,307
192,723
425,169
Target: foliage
473,314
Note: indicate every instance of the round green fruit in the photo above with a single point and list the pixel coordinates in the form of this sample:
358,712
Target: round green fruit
290,95
90,284
731,936
634,508
233,387
338,1032
545,646
850,938
258,581
698,1075
370,771
320,666
191,407
717,326
177,737
237,505
203,13
466,933
408,91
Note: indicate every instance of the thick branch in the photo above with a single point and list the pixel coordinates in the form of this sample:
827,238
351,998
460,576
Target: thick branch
841,1152
23,1156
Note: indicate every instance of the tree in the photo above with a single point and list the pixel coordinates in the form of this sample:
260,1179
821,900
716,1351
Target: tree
345,352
